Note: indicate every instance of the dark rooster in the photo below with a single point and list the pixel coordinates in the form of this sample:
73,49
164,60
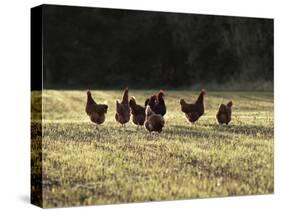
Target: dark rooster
138,112
95,111
122,109
194,111
154,122
157,103
224,113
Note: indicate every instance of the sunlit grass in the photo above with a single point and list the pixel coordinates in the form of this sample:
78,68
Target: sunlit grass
82,165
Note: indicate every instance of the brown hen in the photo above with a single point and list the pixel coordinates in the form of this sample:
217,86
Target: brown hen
154,122
138,112
122,109
194,111
224,113
95,111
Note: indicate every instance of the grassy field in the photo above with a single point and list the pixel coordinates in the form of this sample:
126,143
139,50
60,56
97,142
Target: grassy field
82,165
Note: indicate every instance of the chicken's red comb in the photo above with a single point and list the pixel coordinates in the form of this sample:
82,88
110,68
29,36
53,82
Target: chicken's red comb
203,90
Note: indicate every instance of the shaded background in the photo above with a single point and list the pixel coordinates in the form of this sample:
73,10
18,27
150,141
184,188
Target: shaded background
110,48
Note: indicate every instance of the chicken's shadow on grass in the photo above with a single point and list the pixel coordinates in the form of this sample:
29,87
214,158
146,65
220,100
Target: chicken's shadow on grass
86,132
248,130
186,131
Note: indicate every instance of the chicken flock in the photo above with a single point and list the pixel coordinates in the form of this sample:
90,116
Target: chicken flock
151,115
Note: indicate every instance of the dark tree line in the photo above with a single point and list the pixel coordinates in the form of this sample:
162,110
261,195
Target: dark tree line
107,48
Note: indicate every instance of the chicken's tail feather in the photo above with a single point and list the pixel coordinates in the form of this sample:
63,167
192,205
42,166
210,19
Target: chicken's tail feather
182,101
146,102
90,99
132,101
125,99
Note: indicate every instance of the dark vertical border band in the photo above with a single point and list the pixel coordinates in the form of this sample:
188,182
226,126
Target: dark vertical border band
36,106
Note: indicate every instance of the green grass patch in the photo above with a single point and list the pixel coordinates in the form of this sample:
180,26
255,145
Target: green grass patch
83,166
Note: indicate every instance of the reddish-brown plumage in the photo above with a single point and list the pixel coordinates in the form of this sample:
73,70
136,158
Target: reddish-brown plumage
138,112
122,109
95,111
154,122
224,113
194,111
160,107
157,103
151,101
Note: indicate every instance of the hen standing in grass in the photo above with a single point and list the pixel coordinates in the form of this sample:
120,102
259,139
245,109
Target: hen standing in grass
122,109
95,111
194,111
157,103
154,122
138,112
224,113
